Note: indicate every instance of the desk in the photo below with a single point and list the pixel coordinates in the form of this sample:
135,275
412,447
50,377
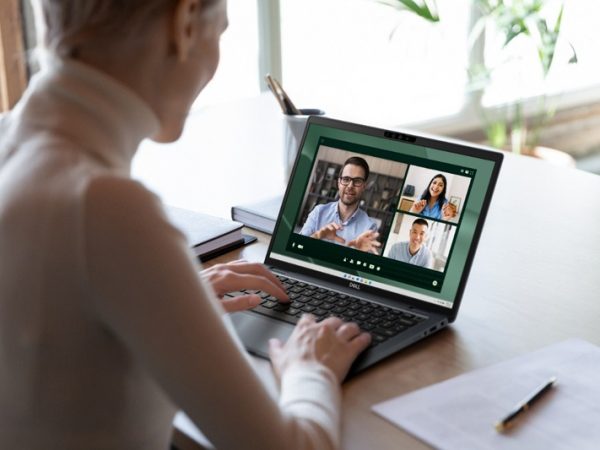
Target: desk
535,281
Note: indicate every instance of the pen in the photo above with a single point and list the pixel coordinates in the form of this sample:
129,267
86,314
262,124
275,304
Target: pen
288,107
524,405
274,91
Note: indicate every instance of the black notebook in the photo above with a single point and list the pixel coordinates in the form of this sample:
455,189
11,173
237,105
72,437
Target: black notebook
208,236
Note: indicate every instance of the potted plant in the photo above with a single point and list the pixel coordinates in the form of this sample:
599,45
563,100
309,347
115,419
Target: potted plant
510,22
502,24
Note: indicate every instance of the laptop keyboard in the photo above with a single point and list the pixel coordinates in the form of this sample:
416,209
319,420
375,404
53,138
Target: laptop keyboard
382,322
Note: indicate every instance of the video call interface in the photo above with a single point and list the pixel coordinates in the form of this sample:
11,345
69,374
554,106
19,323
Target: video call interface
380,221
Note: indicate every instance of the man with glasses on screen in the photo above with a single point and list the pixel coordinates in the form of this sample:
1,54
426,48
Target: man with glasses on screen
343,222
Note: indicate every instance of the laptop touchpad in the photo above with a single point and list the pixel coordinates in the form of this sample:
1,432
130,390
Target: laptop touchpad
255,331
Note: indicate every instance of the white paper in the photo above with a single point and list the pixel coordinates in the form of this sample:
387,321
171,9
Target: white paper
460,413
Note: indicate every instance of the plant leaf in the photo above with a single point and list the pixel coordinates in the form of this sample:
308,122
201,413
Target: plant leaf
422,10
573,59
559,20
549,38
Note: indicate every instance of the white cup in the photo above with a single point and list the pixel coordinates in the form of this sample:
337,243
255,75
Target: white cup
292,135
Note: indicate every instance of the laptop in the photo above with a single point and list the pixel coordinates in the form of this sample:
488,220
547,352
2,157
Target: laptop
409,284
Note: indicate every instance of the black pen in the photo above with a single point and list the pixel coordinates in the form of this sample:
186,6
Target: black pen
524,405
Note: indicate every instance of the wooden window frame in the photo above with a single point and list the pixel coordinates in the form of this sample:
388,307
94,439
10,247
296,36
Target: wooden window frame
13,69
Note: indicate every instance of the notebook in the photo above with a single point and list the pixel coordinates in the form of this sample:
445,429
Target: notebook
208,236
398,260
260,215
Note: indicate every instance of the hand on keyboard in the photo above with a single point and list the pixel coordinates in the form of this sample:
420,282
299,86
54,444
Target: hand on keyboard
235,276
331,342
382,322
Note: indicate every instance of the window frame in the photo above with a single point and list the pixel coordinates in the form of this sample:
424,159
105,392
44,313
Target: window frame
269,41
13,68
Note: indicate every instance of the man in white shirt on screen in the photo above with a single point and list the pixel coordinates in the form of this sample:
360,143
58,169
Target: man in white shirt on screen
414,251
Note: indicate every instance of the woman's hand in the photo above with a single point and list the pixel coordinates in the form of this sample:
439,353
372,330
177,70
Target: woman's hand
448,211
333,343
239,275
419,206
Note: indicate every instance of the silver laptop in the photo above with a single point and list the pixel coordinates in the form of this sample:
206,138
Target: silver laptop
409,211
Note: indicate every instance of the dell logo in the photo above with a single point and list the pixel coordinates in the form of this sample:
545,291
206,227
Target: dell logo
354,286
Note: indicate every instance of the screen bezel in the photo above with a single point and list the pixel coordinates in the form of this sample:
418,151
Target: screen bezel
448,145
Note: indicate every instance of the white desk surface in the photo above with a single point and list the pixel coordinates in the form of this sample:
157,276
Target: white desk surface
535,279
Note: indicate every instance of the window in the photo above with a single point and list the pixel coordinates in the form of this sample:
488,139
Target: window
365,61
12,63
520,75
362,60
237,75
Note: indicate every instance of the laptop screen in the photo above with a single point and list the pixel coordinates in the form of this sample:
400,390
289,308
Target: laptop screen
385,210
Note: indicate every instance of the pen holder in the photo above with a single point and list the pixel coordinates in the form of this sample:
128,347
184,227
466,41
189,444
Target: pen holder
293,129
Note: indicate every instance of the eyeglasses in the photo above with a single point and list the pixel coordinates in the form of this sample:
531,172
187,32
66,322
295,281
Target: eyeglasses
357,181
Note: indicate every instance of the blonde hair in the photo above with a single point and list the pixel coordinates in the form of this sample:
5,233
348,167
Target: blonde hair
67,23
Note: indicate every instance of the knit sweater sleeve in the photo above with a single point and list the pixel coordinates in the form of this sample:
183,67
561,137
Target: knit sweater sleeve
146,290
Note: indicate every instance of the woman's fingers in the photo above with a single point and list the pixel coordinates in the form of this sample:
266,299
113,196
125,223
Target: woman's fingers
258,269
360,342
306,320
348,330
241,303
237,281
242,275
357,339
331,342
332,322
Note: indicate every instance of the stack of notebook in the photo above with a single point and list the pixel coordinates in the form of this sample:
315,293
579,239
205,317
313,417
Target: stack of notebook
260,215
208,236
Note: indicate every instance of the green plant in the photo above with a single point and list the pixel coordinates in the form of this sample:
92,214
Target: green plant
424,9
512,20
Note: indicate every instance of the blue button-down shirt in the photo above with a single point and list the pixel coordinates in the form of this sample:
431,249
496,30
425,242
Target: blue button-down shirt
322,215
400,252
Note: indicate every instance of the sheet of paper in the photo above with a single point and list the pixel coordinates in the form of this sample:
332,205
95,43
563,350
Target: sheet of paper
460,413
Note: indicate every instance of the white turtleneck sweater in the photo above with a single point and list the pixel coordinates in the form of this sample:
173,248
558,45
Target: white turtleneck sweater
105,326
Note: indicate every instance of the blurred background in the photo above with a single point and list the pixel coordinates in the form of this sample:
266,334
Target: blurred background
523,75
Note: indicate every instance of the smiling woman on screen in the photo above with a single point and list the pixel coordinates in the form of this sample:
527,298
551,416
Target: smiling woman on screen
433,202
106,327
